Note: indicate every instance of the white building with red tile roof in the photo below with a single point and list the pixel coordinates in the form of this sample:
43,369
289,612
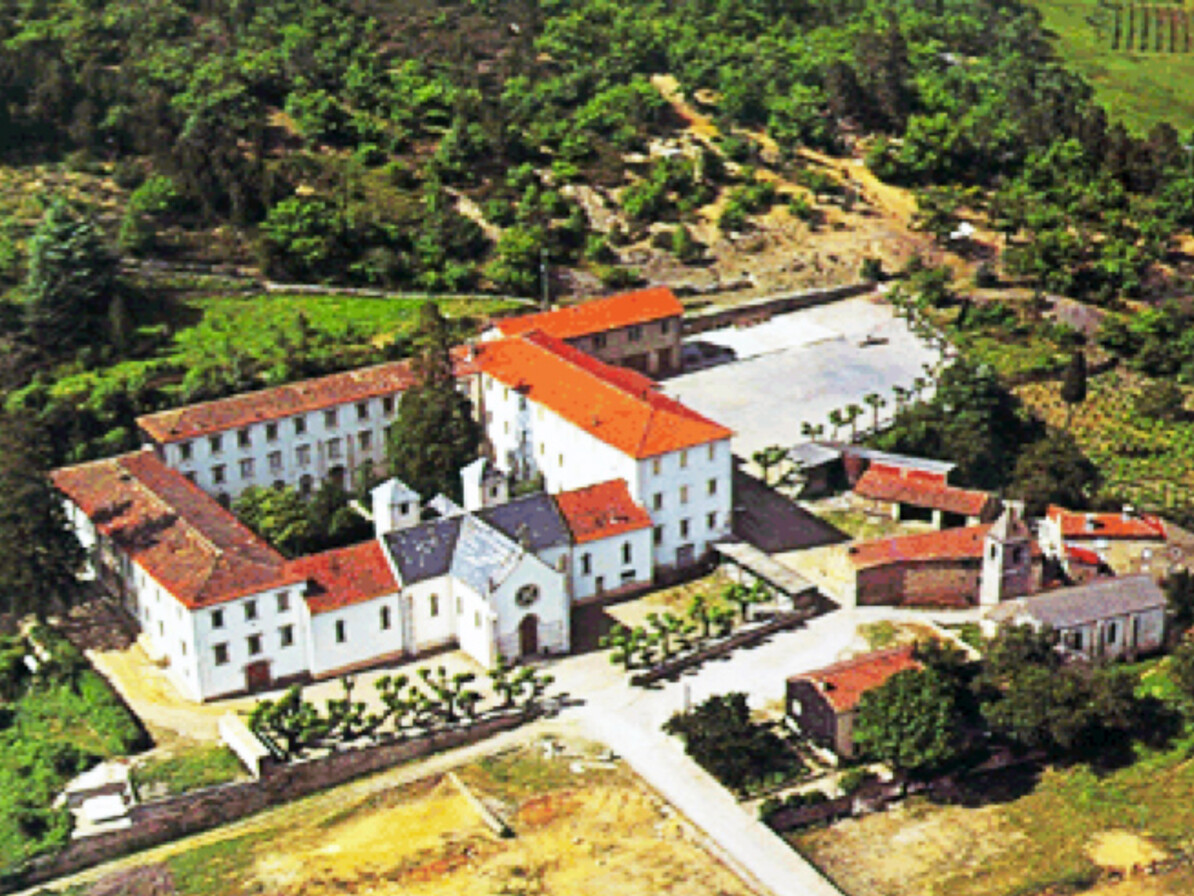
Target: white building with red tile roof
299,435
640,330
551,410
1126,542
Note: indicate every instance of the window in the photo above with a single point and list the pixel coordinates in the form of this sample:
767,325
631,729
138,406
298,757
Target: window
283,601
217,474
522,402
655,466
275,461
713,486
365,440
526,595
586,563
253,642
215,444
1072,639
190,474
362,410
598,340
561,460
306,483
627,576
300,425
665,326
303,455
184,450
600,584
1112,632
387,404
477,619
286,635
684,494
711,519
250,609
334,449
683,528
271,432
330,419
712,451
635,333
433,605
243,438
341,632
542,449
459,606
658,534
626,553
385,618
220,654
657,501
246,468
217,618
684,459
182,646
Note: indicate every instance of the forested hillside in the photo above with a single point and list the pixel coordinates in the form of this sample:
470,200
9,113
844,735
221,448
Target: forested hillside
468,147
445,146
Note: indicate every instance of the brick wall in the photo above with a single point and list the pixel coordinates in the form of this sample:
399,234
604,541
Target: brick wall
168,819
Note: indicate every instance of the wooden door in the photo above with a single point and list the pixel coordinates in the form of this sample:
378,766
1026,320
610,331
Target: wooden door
528,635
257,677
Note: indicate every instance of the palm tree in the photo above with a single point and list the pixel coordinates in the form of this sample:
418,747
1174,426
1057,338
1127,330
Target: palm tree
901,396
876,401
837,420
812,431
853,412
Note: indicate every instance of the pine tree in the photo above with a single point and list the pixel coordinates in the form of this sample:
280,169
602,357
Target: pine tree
435,434
41,559
70,281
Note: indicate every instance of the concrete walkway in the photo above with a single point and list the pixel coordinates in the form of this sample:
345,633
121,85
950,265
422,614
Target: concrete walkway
630,720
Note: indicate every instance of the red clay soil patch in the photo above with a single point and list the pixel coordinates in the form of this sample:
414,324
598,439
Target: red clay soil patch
545,809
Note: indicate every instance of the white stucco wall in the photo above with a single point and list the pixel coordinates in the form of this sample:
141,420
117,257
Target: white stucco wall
365,640
676,490
606,569
552,608
427,630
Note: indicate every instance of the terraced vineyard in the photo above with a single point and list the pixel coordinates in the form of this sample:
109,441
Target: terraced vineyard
1145,28
1145,462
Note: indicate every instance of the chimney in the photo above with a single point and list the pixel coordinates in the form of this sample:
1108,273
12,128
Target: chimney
1090,522
1128,512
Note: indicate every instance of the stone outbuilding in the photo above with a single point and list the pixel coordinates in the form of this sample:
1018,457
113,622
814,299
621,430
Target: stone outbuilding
1104,619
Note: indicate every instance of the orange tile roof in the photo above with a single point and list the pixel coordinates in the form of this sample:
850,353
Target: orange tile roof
843,684
601,511
1106,525
597,316
344,576
965,543
618,406
325,392
922,491
182,538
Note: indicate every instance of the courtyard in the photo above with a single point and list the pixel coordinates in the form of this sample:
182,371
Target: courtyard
799,366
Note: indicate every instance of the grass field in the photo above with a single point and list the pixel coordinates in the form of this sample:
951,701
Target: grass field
1138,88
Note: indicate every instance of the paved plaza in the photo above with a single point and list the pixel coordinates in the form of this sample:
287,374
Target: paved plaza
800,366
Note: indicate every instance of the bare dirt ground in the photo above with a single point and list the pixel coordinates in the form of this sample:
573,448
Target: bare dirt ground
782,252
582,826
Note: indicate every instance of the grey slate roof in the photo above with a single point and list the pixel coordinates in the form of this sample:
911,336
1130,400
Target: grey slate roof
895,460
1101,599
483,556
813,454
544,527
424,551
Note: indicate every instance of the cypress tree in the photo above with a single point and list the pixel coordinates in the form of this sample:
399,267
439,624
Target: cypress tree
42,558
1073,385
434,435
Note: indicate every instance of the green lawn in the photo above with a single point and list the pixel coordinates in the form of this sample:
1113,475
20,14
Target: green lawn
1140,89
